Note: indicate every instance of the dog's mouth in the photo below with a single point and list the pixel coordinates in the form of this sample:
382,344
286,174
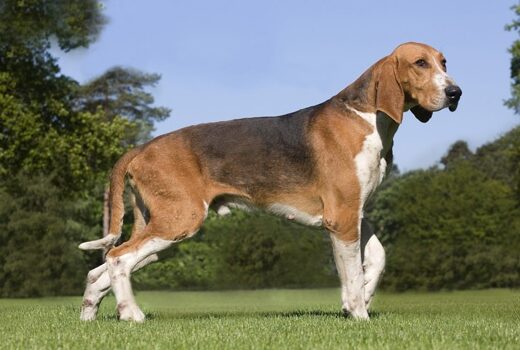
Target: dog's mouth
453,106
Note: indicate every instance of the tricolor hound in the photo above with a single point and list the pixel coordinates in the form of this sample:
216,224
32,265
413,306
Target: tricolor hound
316,166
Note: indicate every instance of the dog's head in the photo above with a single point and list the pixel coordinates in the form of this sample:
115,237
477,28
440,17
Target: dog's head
414,77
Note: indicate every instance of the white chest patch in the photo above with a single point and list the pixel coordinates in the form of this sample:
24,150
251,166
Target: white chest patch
370,167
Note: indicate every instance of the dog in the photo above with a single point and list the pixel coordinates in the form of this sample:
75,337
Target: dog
316,166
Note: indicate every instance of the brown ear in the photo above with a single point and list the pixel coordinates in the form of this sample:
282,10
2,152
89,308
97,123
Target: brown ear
422,114
390,95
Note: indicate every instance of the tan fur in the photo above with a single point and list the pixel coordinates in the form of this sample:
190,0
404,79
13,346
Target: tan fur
337,181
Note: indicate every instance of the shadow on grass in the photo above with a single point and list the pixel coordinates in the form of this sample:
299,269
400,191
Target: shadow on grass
318,314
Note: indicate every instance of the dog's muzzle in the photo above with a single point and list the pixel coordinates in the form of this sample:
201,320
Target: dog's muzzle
453,93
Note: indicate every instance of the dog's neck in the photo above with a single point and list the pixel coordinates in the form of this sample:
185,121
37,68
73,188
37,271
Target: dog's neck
360,96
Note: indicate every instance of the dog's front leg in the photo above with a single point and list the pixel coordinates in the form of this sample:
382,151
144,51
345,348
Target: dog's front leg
373,255
345,238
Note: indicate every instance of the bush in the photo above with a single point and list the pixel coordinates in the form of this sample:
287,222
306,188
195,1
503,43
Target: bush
39,231
449,229
245,250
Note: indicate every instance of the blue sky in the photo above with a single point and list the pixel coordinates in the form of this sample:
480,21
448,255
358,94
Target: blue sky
228,59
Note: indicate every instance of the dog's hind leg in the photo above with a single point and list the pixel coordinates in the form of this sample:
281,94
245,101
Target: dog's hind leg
171,221
98,285
98,279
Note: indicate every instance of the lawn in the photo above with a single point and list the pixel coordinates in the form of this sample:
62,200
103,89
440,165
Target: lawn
267,319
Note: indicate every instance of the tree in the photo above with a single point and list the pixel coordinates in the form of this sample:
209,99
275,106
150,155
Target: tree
120,92
500,159
52,157
514,101
33,23
39,231
40,130
459,151
448,229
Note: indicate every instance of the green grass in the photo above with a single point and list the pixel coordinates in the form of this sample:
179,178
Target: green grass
267,319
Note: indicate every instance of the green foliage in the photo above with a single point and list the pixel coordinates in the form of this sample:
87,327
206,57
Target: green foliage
501,159
38,234
245,250
40,131
260,251
59,140
74,23
39,128
457,152
120,92
53,158
456,227
78,146
514,101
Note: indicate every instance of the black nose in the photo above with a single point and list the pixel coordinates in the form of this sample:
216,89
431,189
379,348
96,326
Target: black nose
453,92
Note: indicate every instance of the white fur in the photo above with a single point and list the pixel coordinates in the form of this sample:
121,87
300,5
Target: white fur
223,210
98,285
237,203
382,170
292,213
94,274
347,256
373,262
370,169
146,261
279,209
94,293
206,209
442,80
369,117
119,269
368,160
103,243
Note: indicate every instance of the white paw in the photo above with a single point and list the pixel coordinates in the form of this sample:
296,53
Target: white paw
129,312
358,313
88,313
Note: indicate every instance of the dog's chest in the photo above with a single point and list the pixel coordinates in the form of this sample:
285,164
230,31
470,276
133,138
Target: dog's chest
370,161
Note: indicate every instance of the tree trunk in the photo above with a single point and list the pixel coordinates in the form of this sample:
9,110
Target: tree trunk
106,215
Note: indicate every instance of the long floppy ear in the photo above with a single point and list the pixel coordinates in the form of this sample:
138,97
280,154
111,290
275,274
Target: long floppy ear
389,93
422,114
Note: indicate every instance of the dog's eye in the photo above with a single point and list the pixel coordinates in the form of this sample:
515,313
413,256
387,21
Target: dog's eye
444,64
421,63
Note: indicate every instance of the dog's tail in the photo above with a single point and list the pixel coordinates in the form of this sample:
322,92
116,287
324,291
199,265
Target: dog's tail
115,203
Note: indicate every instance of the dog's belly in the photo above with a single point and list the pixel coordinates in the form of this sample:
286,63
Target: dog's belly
294,214
307,213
